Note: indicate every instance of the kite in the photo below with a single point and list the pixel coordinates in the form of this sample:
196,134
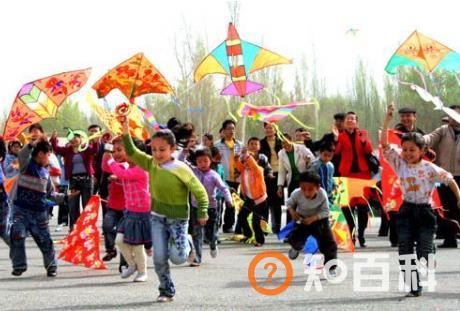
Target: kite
109,119
424,53
352,31
238,58
41,99
271,113
81,246
352,188
391,185
135,77
438,104
339,227
197,109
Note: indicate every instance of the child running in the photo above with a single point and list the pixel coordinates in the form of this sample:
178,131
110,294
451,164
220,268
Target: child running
416,219
30,208
115,201
135,229
309,207
211,182
170,181
255,197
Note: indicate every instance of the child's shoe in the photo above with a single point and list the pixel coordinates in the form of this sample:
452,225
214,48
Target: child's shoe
293,254
127,272
163,298
51,272
110,255
141,277
18,272
192,255
214,252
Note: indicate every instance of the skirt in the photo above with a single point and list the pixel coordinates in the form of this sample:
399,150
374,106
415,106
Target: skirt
137,228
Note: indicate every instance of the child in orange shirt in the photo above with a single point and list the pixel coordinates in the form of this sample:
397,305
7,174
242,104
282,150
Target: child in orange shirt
254,196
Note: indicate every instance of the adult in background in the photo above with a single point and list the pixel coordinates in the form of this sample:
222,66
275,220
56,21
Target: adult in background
353,146
328,137
270,146
229,147
446,142
294,159
79,170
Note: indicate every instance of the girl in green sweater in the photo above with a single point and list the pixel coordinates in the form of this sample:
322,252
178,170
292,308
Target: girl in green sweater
170,182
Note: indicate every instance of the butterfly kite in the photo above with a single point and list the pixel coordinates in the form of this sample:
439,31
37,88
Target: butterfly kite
41,99
135,77
238,58
424,53
272,114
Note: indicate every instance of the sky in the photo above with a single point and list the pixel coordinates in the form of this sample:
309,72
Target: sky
44,37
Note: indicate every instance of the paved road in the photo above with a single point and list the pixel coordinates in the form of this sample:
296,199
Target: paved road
220,283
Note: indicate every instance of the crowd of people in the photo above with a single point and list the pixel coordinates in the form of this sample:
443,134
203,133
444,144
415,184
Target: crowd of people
167,196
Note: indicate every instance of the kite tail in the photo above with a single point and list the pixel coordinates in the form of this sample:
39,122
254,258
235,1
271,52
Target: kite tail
299,122
230,112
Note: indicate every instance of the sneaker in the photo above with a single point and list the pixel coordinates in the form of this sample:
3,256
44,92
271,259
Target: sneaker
18,272
163,298
214,252
127,272
58,228
293,254
121,268
194,264
141,277
192,255
258,244
51,272
110,255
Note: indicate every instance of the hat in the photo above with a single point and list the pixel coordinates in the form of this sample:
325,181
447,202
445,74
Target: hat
407,110
172,123
445,119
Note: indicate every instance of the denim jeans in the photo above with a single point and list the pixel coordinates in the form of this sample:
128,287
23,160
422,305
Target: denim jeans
4,222
169,243
110,224
209,230
23,221
416,224
84,184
